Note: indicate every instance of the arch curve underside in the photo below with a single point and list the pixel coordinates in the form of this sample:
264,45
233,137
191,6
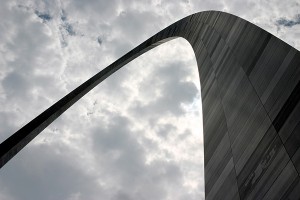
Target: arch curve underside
251,110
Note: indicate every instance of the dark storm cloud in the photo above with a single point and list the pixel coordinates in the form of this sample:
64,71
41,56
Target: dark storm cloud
288,22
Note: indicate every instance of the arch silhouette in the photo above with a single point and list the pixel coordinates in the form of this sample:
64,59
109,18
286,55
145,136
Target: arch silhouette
251,112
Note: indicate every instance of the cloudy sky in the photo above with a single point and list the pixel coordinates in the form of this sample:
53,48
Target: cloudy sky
138,135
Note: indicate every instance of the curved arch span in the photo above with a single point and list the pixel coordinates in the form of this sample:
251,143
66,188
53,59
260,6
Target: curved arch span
251,112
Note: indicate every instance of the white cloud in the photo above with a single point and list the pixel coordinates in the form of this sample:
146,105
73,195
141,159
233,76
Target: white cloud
135,136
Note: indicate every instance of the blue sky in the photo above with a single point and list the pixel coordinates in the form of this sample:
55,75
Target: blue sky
138,135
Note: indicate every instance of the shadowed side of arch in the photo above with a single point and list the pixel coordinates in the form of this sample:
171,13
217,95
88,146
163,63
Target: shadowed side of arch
250,98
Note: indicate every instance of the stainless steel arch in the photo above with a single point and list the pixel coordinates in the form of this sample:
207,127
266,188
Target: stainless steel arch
250,93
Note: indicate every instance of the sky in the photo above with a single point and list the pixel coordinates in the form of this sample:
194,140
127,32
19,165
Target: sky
136,136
